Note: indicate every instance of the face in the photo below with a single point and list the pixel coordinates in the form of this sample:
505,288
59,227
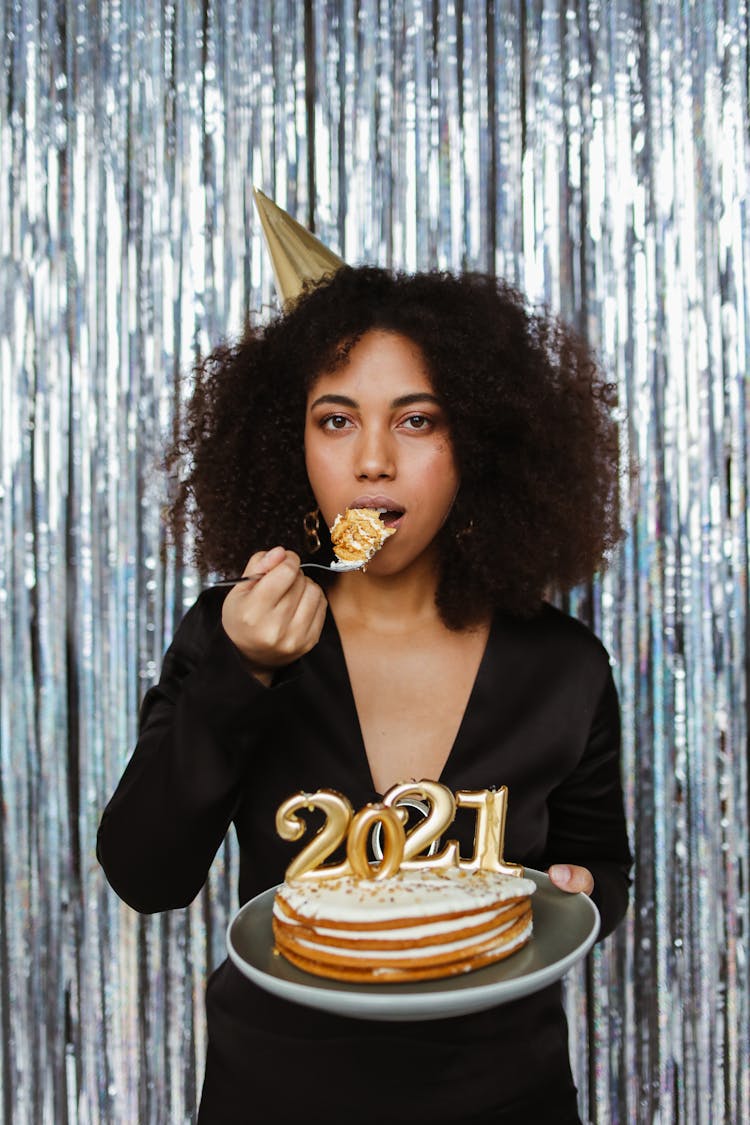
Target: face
377,436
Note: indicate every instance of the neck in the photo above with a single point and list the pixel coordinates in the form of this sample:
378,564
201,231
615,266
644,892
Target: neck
393,603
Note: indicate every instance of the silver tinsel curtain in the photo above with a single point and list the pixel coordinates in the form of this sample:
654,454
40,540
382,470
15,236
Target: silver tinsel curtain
596,154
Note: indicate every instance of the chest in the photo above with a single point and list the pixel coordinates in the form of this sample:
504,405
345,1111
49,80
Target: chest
411,694
524,726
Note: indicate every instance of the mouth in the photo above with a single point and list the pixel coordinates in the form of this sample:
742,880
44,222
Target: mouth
389,510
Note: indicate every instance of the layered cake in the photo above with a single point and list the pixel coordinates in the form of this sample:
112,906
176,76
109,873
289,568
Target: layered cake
418,924
357,535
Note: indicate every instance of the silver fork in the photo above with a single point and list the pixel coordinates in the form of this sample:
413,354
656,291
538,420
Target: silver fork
336,568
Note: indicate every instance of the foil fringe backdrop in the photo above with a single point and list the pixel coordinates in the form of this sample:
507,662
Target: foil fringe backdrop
597,155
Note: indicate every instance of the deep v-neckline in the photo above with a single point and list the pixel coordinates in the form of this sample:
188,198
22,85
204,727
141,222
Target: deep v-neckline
348,700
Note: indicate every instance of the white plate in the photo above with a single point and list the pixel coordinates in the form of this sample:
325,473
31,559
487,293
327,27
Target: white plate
565,928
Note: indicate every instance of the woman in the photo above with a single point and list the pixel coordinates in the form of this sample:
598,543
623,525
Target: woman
486,434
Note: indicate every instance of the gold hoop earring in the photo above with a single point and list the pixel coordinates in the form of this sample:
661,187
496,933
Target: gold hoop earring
311,524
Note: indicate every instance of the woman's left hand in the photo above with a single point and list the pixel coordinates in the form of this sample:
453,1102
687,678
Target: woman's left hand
572,879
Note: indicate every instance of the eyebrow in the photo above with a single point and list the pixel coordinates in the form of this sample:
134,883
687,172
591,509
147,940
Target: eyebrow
402,400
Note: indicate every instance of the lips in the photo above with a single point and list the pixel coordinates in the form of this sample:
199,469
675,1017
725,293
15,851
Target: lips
389,509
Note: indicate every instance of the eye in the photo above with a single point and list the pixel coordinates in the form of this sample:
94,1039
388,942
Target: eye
417,422
334,422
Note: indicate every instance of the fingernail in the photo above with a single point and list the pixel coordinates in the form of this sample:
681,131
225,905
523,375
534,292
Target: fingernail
560,873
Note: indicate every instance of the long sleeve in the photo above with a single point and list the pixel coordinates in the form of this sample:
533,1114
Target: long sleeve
586,816
199,727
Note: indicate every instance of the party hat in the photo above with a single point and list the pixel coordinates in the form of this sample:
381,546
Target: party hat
296,255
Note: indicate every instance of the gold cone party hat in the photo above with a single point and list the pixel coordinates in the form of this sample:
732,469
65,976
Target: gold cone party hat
296,255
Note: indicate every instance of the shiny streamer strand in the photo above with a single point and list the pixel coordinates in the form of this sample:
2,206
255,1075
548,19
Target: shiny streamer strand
596,154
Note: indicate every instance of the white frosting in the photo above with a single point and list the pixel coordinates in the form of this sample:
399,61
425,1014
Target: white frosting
408,894
400,933
415,953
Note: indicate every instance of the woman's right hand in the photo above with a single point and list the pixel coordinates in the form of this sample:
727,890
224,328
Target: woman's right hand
277,619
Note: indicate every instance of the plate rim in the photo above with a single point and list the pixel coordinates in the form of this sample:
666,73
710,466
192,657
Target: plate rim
384,1004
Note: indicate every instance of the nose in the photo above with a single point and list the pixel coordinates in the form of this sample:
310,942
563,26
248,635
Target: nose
375,458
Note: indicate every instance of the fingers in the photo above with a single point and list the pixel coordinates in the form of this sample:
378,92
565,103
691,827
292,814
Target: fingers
572,879
277,619
279,570
263,561
311,614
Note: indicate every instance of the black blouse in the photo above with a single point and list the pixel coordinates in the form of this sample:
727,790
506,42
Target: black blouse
217,747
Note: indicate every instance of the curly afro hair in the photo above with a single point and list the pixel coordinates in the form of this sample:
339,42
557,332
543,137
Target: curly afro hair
531,421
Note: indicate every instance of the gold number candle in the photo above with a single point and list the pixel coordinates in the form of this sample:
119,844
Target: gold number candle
489,834
442,812
393,842
338,812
